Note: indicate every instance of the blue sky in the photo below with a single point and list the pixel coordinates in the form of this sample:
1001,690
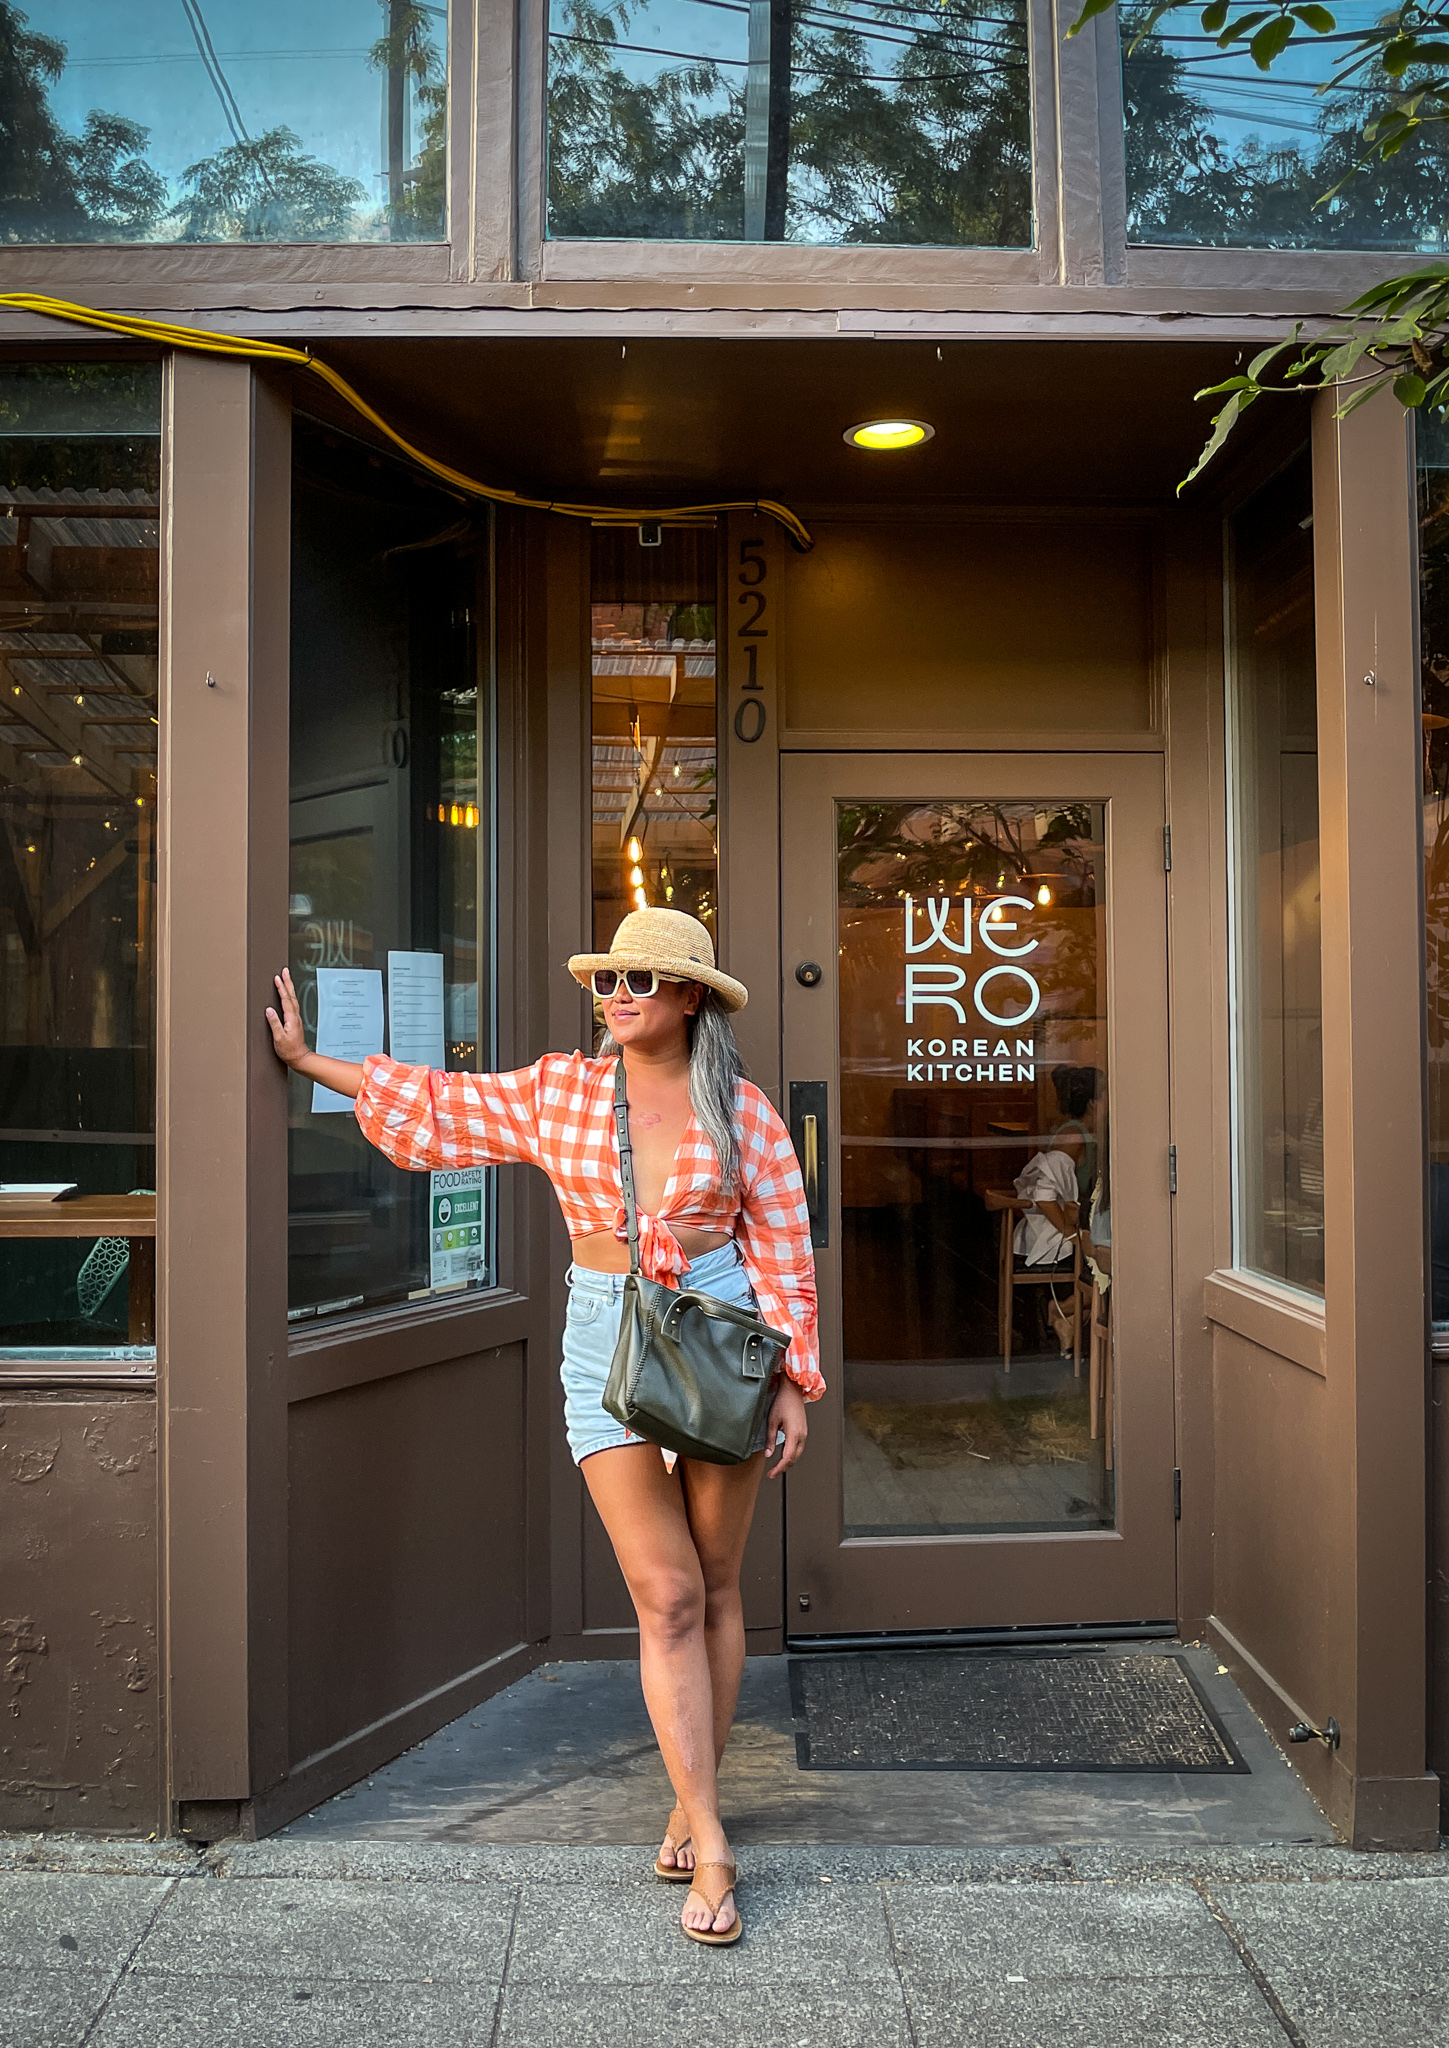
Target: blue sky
302,66
1278,106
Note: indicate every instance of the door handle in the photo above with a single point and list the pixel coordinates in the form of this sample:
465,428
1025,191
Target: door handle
810,1135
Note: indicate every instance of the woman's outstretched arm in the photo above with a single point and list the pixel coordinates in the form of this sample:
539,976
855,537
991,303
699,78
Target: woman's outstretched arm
290,1041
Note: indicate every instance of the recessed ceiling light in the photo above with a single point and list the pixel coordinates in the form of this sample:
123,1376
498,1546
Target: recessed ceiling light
888,434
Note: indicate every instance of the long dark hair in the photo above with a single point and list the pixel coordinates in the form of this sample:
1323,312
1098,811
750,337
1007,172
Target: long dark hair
715,1072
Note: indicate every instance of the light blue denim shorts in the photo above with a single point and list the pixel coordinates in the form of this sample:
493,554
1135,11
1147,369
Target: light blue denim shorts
591,1330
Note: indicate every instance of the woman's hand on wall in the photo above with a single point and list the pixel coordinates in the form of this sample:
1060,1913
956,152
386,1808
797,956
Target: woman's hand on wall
787,1413
289,1041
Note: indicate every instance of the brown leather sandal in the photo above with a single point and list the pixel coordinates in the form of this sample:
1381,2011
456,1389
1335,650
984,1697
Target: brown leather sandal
671,1872
705,1934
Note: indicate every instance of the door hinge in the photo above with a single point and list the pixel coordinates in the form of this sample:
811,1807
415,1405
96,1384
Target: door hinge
1172,1169
1177,1493
1167,848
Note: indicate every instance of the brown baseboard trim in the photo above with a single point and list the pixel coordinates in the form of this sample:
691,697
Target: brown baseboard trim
1400,1814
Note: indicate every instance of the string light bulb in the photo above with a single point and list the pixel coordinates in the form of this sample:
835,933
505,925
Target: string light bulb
1043,895
634,850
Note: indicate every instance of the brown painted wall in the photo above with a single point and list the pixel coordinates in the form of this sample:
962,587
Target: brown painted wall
1320,1494
944,623
406,1536
79,1672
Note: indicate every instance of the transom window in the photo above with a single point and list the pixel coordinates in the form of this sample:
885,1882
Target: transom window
847,121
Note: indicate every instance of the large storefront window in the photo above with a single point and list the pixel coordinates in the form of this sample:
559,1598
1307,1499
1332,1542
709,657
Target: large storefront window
1222,154
239,121
654,800
1277,978
781,121
79,484
1433,444
392,813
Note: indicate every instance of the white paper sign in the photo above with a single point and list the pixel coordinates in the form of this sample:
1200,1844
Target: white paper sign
458,1235
415,1009
349,1025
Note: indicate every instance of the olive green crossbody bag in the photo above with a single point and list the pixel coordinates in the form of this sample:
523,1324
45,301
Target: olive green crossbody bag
690,1372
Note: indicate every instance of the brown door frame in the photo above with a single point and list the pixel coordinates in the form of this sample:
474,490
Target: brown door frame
1124,1575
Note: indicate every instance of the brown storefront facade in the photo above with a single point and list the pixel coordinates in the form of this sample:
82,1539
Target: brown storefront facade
1028,769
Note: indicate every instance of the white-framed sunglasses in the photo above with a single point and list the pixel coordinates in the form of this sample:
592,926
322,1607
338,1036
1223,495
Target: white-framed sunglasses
640,981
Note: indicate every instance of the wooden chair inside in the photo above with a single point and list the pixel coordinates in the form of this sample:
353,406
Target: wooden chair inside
1011,1205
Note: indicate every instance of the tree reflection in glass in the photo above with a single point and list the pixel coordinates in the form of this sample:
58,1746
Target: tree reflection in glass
777,120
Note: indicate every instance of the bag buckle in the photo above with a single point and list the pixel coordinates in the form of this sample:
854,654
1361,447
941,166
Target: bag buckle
753,1364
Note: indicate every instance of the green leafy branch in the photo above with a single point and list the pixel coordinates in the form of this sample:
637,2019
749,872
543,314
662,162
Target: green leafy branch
1393,336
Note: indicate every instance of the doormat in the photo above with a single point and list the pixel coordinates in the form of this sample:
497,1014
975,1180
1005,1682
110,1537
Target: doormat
949,1710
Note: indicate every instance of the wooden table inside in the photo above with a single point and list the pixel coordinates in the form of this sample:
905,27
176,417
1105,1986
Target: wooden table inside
130,1216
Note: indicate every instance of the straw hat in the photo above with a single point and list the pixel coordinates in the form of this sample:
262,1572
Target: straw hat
672,943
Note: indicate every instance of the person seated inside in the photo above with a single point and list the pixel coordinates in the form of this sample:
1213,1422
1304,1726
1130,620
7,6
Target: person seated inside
1044,1240
1077,1090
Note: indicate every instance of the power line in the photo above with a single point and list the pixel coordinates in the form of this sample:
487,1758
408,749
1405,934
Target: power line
212,64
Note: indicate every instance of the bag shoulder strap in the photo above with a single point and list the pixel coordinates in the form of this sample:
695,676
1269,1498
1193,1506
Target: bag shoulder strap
626,1161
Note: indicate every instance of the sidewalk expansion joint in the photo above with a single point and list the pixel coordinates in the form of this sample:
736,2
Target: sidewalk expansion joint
142,1938
503,1973
1251,1964
885,1901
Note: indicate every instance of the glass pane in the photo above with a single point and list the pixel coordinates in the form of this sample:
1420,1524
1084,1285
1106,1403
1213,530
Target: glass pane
391,852
1278,997
782,121
976,1230
1433,440
79,511
653,613
248,121
1220,153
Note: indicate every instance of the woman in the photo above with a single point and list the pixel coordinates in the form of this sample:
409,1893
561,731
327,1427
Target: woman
722,1209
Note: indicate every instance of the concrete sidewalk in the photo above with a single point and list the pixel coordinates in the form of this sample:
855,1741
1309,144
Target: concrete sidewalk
371,1944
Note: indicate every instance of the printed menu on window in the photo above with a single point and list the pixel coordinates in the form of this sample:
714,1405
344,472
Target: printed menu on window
349,1025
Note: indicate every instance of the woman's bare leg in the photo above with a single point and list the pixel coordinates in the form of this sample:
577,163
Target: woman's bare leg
720,1503
643,1508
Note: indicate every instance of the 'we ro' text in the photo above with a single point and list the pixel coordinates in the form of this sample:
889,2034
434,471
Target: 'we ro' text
937,985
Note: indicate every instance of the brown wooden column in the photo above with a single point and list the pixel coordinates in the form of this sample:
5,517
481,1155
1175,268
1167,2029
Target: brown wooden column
222,1122
1369,799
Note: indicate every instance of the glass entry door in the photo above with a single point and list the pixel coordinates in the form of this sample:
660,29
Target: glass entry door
976,1067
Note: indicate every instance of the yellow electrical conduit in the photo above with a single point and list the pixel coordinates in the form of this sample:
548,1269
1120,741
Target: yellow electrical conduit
163,334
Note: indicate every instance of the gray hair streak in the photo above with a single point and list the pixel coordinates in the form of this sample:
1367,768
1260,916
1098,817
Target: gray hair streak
715,1072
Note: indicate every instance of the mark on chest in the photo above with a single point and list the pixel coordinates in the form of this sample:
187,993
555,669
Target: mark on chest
645,1122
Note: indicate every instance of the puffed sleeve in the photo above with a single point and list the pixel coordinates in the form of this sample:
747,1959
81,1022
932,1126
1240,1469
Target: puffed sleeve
774,1237
421,1117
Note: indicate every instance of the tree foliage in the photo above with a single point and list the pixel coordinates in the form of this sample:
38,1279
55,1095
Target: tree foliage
56,187
935,150
1394,336
265,190
419,212
96,186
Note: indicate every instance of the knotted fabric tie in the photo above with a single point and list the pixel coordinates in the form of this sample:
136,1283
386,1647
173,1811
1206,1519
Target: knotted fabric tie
661,1255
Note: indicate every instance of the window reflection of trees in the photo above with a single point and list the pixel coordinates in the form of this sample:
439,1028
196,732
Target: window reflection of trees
98,186
901,123
1219,155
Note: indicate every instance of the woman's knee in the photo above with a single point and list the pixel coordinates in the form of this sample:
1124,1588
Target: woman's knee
670,1603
